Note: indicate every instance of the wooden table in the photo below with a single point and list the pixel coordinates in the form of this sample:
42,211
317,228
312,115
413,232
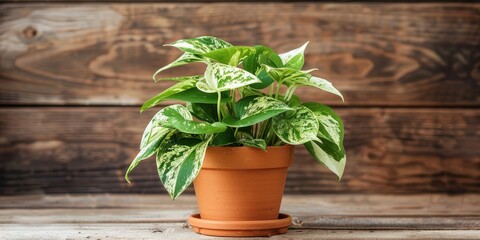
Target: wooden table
106,216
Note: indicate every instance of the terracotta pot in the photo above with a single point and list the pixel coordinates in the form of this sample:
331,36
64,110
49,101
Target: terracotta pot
242,183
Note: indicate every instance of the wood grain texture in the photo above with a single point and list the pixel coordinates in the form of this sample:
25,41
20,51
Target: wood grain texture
376,54
82,150
167,231
349,216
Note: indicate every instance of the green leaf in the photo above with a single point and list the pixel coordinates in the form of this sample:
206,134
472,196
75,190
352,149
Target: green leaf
322,152
242,104
181,79
322,84
294,59
265,79
178,117
259,109
220,77
226,55
152,132
257,143
287,76
253,64
177,88
151,139
330,124
148,150
294,101
248,91
224,138
179,162
186,58
296,78
204,112
200,45
196,96
296,127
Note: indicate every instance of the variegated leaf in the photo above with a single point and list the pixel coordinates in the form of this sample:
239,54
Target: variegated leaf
294,59
296,78
330,124
177,88
194,95
148,150
326,153
151,139
204,112
224,138
322,84
200,45
257,143
230,54
152,131
287,76
178,117
253,63
179,161
221,77
181,79
258,109
186,58
296,127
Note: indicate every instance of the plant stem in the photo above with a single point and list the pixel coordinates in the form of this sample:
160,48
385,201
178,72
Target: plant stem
219,99
289,93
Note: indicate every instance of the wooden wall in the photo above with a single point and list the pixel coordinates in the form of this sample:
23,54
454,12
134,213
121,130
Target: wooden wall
72,77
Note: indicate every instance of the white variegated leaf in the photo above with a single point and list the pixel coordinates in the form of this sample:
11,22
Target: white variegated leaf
230,55
330,124
184,78
324,152
148,150
257,143
287,76
151,139
182,86
178,117
294,59
186,58
309,70
200,45
152,132
297,78
221,77
296,127
323,84
255,110
179,162
203,86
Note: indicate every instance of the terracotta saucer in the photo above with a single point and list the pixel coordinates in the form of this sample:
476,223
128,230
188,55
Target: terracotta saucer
262,228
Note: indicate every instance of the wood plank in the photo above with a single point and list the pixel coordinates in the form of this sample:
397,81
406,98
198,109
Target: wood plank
320,204
376,54
324,211
180,231
86,150
155,216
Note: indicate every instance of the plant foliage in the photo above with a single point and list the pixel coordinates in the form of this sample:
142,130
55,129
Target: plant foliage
244,98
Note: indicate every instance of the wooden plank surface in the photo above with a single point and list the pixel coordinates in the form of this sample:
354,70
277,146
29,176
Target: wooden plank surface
350,216
86,150
180,231
376,54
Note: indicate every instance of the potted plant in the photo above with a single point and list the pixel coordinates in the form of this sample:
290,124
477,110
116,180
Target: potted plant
234,137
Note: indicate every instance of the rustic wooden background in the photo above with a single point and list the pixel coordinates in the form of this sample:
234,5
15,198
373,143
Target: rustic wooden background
72,78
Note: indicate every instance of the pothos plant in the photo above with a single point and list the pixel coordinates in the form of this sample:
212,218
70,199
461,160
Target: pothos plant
246,97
